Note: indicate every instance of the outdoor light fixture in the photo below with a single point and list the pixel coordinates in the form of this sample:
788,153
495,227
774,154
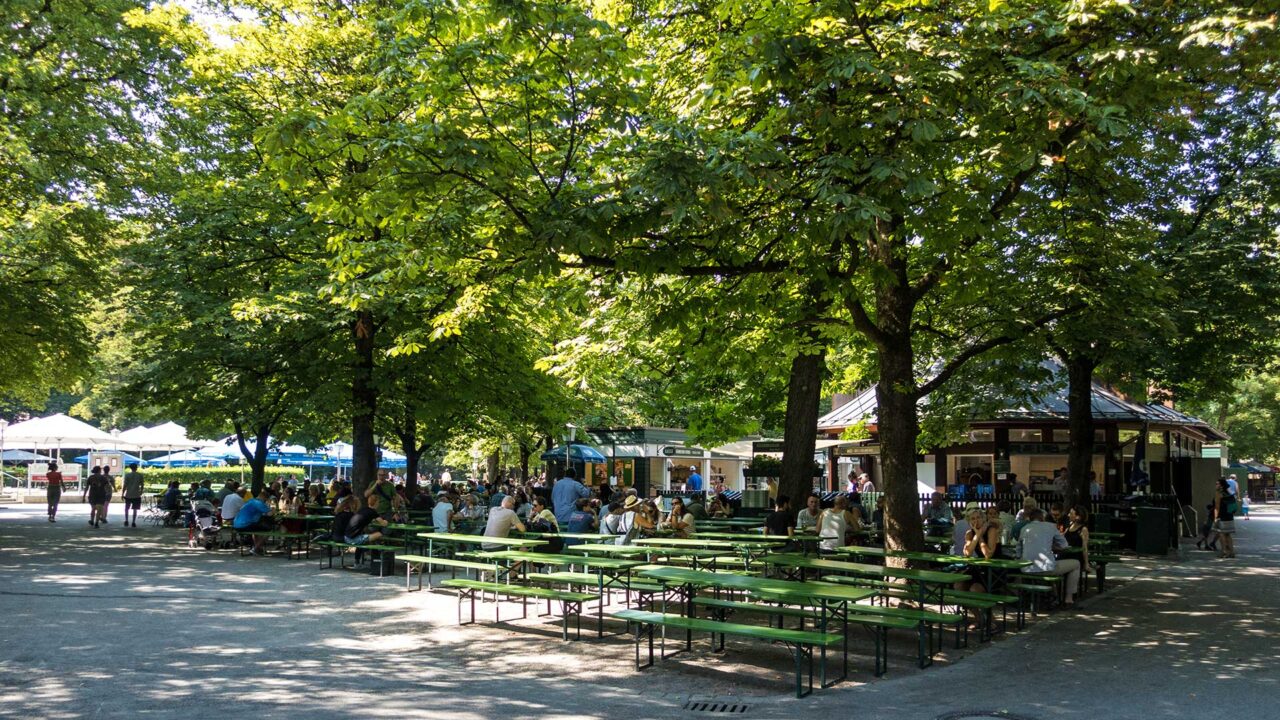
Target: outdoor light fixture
573,430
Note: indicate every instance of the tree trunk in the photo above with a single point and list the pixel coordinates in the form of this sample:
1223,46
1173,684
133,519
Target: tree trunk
1080,369
897,417
899,425
257,458
364,397
491,466
412,451
524,462
800,431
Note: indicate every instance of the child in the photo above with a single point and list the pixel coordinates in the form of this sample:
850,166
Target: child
1208,539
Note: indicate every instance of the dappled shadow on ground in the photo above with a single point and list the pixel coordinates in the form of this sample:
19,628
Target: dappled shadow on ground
192,631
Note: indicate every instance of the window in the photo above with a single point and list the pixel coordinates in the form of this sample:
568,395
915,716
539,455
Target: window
977,436
1062,436
1024,436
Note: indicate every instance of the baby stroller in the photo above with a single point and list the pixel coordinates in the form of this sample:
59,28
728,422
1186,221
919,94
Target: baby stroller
202,526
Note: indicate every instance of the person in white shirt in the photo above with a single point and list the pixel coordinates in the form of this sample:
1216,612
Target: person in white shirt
867,486
1037,543
807,518
442,514
834,524
231,505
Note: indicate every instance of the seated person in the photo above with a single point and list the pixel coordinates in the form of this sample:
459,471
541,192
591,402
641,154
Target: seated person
807,518
1038,543
780,521
679,520
937,516
835,524
718,509
171,502
204,492
422,500
502,520
581,520
231,505
982,539
255,516
541,519
357,529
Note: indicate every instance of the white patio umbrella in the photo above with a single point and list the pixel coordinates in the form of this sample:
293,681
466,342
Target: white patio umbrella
57,431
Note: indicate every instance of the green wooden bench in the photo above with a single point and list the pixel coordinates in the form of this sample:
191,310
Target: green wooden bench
290,542
342,547
878,625
570,602
424,563
981,602
1038,586
802,642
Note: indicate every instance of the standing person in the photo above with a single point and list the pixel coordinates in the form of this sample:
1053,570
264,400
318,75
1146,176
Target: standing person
565,494
379,494
54,492
109,483
694,483
867,485
1224,511
132,494
94,493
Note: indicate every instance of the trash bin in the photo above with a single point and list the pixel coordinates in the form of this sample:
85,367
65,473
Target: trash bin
1152,536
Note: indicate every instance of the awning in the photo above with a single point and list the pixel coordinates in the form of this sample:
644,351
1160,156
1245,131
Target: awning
577,453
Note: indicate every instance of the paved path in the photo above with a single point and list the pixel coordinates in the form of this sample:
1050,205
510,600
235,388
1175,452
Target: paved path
121,622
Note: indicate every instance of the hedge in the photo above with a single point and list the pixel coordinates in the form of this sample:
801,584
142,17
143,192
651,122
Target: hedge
161,477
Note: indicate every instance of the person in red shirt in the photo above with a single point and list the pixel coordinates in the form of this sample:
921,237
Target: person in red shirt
54,493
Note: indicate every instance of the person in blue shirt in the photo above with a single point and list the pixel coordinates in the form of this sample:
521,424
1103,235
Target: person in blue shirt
255,516
581,520
565,494
694,483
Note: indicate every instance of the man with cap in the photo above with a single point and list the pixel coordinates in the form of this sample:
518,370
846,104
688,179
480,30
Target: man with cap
694,483
1233,486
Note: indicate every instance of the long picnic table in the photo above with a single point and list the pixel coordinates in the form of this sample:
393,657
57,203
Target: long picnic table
618,571
461,539
832,600
749,549
649,552
992,565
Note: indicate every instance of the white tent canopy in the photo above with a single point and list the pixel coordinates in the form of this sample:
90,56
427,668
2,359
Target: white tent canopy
59,431
169,436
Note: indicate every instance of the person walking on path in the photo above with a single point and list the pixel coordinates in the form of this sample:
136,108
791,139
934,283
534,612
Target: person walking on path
1224,510
132,494
95,493
54,492
110,484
